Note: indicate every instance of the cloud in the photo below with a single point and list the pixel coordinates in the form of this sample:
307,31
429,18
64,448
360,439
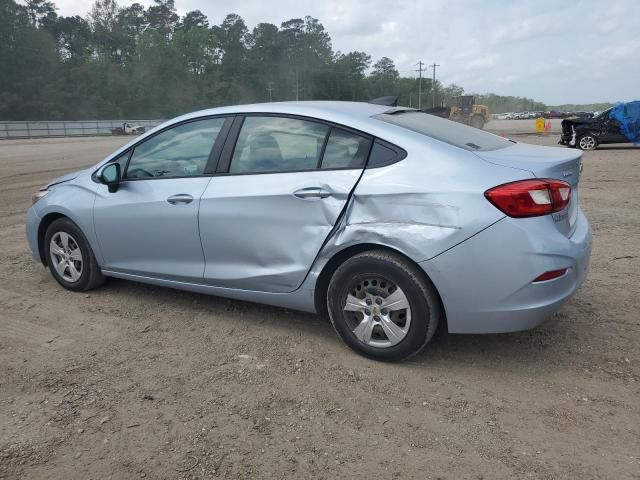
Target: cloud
482,63
556,52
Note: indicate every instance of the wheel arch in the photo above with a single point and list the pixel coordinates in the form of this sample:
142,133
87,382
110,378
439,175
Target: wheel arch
47,220
322,283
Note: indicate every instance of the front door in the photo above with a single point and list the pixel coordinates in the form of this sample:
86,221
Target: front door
150,225
265,218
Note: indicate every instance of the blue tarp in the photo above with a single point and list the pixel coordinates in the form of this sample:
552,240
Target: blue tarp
628,114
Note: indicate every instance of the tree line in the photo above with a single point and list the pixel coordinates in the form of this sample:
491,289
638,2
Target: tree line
137,62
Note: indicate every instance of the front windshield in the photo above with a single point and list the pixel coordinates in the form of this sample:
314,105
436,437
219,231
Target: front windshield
447,131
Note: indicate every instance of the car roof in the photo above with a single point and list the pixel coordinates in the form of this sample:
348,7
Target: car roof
356,115
359,116
313,108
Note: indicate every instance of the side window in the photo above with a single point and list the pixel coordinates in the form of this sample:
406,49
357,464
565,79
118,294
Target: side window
277,144
178,152
382,155
345,150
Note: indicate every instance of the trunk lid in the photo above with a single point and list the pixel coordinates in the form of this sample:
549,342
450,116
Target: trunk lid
545,162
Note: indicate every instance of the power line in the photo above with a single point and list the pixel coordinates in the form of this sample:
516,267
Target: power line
433,86
420,64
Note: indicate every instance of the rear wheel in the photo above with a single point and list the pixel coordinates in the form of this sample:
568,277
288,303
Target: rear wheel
587,142
382,306
70,258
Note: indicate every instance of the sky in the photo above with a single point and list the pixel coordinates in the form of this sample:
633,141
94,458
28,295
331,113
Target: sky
557,52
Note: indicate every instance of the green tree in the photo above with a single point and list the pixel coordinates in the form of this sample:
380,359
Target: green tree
194,18
384,78
162,16
137,61
39,10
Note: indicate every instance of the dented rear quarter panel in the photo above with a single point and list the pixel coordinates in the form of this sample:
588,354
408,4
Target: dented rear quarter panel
425,204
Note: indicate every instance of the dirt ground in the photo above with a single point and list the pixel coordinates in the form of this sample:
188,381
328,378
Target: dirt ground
519,127
135,381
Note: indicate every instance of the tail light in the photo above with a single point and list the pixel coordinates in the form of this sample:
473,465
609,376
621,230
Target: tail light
530,198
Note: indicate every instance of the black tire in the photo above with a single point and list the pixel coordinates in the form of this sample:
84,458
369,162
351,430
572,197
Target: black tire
422,298
477,121
590,142
91,276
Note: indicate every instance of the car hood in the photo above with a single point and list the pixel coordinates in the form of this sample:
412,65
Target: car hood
64,178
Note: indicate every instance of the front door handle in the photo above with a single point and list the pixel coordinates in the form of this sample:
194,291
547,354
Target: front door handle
312,192
180,199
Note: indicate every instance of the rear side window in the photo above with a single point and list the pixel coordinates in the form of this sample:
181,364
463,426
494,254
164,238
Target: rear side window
453,133
277,144
345,150
180,151
383,154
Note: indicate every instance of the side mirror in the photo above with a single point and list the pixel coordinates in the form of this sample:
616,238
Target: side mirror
110,176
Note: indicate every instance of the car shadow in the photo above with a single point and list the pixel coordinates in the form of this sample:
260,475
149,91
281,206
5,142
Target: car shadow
617,147
526,348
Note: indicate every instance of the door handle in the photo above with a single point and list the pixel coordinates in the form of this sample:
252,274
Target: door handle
180,199
312,192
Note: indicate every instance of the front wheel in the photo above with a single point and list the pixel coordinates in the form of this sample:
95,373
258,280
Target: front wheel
477,121
70,258
587,142
382,306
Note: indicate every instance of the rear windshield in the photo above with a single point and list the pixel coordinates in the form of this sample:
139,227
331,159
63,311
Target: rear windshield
447,131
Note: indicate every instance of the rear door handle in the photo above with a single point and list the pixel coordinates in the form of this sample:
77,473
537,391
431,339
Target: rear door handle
312,192
180,199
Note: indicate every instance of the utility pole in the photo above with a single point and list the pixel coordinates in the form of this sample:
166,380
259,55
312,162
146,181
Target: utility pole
270,90
420,64
433,84
297,90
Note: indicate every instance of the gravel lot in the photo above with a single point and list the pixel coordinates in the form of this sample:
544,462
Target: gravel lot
136,381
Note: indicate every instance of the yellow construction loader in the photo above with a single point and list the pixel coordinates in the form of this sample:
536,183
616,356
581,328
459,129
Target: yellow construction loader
462,109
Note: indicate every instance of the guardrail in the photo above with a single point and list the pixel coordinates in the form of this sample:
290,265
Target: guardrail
79,128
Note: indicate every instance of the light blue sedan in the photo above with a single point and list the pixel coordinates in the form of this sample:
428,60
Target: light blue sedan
386,219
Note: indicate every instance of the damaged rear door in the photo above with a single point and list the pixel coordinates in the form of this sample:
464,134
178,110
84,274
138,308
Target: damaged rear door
279,189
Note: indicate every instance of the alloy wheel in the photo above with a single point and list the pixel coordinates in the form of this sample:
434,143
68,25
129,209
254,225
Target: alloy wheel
378,312
66,256
587,143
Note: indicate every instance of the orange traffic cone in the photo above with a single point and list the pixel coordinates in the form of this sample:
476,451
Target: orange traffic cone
547,127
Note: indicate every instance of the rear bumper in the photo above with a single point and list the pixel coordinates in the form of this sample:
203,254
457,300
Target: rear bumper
486,282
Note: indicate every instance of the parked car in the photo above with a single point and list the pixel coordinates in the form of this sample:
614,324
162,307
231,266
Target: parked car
387,219
587,133
128,129
504,116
